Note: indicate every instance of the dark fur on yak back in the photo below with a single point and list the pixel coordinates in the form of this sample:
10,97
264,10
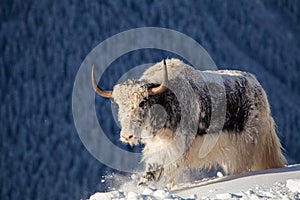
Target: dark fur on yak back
237,105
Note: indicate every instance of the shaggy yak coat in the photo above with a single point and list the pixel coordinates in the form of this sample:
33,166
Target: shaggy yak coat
202,119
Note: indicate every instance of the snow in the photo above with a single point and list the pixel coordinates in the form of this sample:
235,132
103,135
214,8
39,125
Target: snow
266,184
293,185
147,193
223,196
107,196
219,174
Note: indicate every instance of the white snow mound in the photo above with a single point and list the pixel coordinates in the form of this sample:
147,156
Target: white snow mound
148,193
267,184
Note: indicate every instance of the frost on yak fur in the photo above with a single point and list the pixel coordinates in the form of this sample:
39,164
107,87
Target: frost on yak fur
178,129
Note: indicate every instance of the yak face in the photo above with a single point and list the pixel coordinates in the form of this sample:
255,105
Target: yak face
144,108
142,115
130,97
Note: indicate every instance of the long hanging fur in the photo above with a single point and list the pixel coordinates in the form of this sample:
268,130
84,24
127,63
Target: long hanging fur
247,140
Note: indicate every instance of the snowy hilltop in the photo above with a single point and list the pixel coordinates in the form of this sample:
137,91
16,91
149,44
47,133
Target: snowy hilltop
266,184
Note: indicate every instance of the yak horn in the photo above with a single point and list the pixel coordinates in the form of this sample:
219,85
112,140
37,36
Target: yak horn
163,85
98,90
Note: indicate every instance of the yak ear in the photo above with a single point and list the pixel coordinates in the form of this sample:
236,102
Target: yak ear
151,85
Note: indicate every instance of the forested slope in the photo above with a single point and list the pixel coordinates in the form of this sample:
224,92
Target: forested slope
42,45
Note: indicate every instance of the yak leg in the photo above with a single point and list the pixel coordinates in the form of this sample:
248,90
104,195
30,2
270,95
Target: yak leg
152,174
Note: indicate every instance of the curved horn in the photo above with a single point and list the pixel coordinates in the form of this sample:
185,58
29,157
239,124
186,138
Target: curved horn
163,85
98,90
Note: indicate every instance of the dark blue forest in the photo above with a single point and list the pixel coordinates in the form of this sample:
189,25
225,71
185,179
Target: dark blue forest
43,43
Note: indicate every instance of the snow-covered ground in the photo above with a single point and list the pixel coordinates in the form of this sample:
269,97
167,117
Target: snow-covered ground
267,184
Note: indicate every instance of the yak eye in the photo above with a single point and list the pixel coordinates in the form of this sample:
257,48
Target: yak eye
142,104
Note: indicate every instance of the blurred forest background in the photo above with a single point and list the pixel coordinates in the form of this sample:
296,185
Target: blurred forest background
43,43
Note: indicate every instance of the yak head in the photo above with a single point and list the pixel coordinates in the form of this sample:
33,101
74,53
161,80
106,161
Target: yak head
143,108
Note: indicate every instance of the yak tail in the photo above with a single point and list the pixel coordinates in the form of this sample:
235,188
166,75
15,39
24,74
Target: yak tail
269,153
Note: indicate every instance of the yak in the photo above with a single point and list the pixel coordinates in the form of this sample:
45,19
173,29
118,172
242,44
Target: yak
188,118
